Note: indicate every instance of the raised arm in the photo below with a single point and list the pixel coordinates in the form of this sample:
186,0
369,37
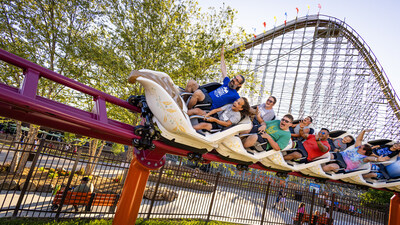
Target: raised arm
360,137
223,65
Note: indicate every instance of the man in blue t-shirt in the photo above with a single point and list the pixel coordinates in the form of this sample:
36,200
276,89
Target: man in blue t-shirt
225,94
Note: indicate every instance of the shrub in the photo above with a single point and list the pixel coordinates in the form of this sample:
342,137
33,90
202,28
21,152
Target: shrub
169,173
200,181
59,170
81,171
117,179
53,175
186,175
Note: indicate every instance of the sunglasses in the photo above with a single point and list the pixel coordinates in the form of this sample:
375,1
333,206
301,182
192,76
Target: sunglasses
237,80
322,132
284,120
270,101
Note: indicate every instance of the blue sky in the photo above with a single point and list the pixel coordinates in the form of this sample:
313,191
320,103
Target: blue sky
375,20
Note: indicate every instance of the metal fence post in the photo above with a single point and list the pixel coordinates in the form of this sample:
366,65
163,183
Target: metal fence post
68,184
265,203
213,197
331,209
155,192
28,178
312,206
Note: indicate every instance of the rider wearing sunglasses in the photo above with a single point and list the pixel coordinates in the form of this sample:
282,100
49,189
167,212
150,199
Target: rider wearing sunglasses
314,146
227,93
353,158
264,113
276,135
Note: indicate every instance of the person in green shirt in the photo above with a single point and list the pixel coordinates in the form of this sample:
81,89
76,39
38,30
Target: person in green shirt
276,133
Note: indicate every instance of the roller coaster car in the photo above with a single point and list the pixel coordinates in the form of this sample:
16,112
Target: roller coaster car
386,143
393,184
390,183
232,150
317,171
277,161
169,112
338,134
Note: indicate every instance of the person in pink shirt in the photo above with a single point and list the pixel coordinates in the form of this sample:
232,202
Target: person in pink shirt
300,211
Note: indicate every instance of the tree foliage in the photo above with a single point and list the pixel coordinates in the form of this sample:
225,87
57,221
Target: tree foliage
99,43
50,33
376,196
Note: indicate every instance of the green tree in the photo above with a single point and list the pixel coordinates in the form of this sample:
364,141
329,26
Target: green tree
49,33
174,37
99,43
376,196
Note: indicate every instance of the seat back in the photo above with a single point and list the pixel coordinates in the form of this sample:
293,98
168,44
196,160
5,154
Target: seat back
211,86
164,81
165,109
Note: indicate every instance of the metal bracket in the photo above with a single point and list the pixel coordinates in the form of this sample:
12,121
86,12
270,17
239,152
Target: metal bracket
150,159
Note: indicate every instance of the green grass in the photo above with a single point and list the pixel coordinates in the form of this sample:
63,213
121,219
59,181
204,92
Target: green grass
37,221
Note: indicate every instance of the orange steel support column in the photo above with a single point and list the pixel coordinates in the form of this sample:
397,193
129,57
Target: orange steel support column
135,183
132,194
394,212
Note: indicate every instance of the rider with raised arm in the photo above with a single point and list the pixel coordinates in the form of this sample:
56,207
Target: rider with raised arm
225,94
352,159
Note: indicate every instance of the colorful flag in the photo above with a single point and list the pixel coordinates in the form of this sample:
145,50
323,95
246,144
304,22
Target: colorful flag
297,10
319,6
265,24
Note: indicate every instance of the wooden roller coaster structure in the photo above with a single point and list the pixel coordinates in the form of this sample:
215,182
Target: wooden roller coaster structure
24,104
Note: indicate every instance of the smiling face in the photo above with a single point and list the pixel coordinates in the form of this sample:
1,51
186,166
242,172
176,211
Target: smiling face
236,82
285,123
347,139
361,150
307,121
238,105
396,147
270,102
323,134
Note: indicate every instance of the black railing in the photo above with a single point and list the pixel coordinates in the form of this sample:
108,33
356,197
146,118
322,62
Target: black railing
44,188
